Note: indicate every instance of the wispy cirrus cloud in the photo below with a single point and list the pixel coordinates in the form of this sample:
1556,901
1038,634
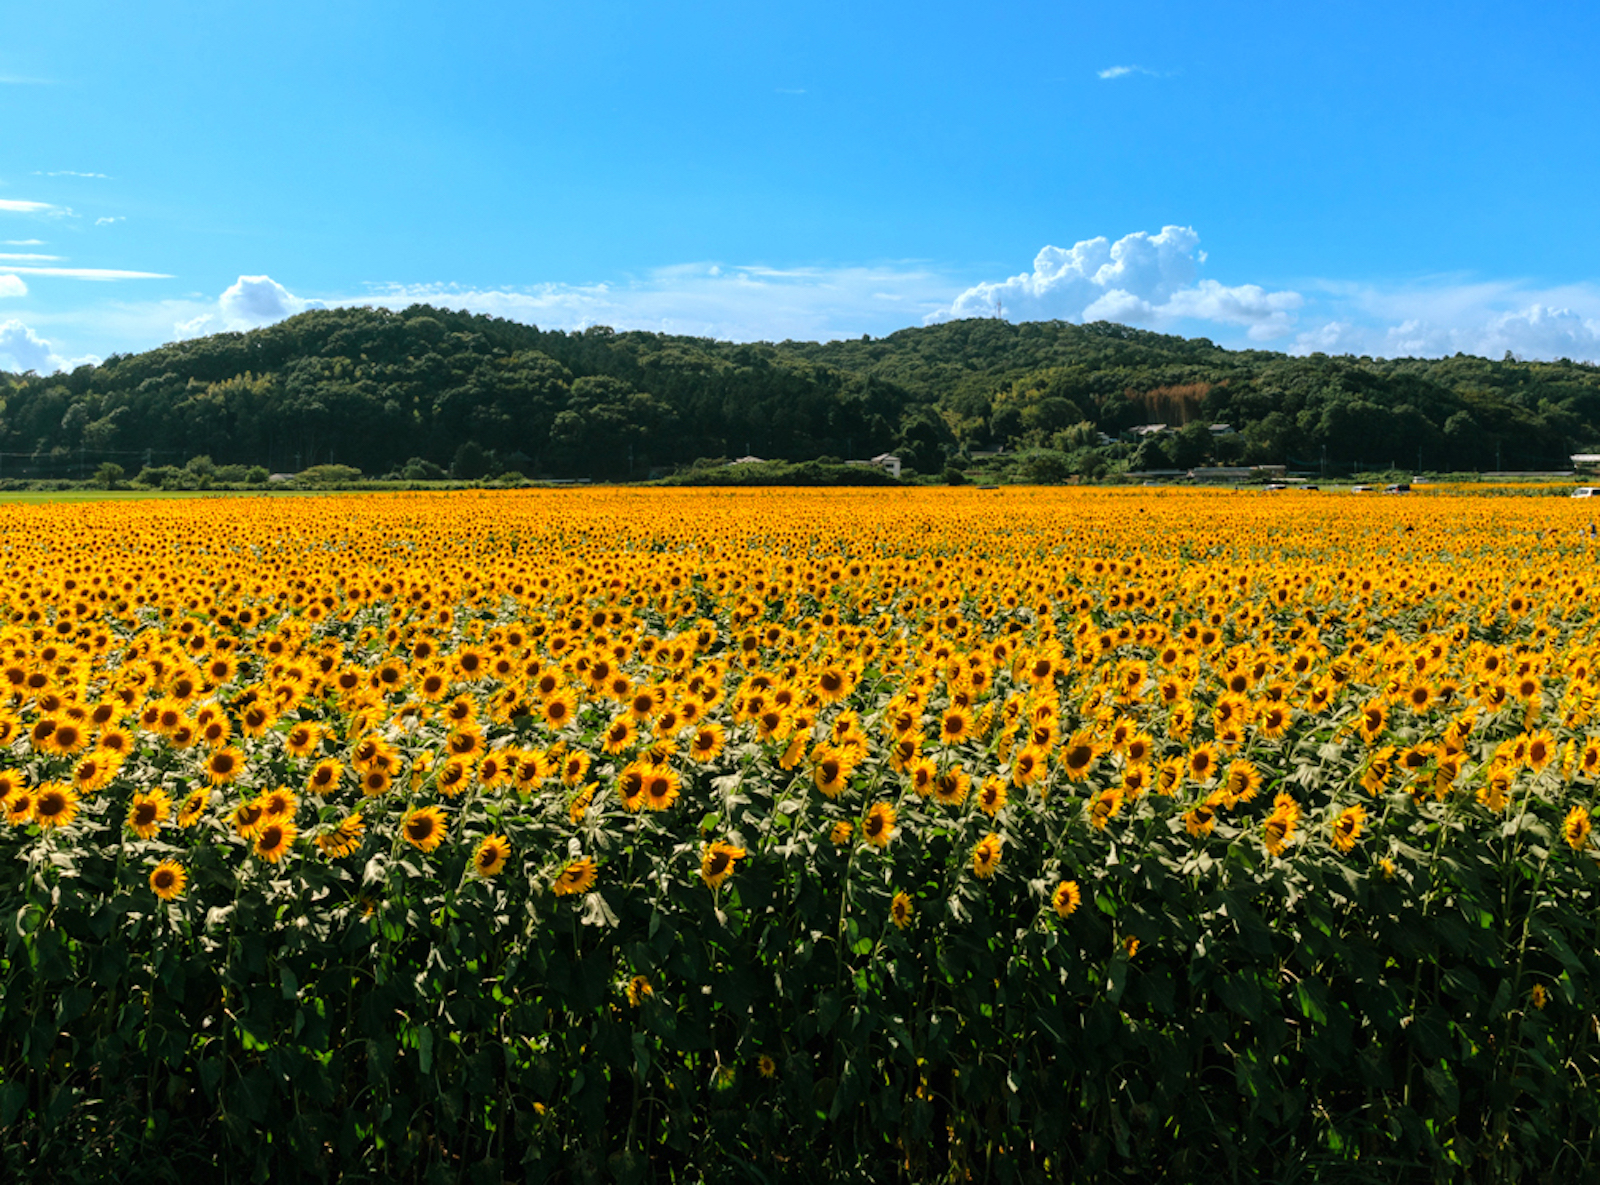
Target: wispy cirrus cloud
1111,72
28,257
89,273
15,206
72,173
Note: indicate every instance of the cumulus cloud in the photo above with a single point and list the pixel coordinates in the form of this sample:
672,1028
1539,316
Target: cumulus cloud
12,286
260,300
1141,279
23,349
1448,317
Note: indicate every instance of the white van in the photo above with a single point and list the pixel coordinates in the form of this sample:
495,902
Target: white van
1586,492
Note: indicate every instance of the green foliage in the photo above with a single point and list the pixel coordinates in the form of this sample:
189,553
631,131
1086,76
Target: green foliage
375,388
328,475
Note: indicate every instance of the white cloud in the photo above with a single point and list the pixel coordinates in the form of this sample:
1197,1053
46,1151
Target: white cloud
1141,279
90,273
23,349
23,242
1447,316
70,173
1111,72
741,303
37,258
107,221
13,206
260,300
12,286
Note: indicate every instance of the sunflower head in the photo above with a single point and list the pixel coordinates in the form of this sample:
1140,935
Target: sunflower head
901,910
167,880
491,855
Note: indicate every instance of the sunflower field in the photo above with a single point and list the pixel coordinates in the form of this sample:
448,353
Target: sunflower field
914,834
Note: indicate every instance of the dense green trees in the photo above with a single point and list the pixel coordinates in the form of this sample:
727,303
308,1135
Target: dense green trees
407,392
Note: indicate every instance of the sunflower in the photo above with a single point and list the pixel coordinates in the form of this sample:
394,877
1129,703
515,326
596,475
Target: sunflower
274,839
424,828
54,804
302,740
877,827
950,787
117,741
992,796
1066,898
579,806
147,812
573,767
1274,721
1202,763
491,855
717,862
576,877
1278,830
343,839
277,805
840,835
1199,820
1240,782
224,765
93,772
560,709
167,880
1347,826
1103,807
955,726
1541,749
68,737
1496,790
986,856
707,742
638,990
901,910
324,777
194,803
454,776
1576,827
660,789
620,734
19,806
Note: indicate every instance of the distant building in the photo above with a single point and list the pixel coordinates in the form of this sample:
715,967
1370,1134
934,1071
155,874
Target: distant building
1586,462
888,462
747,461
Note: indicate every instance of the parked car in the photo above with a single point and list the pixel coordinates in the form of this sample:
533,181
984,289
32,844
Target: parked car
1586,492
1359,489
1399,487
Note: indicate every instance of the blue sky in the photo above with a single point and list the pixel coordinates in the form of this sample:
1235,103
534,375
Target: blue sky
1365,178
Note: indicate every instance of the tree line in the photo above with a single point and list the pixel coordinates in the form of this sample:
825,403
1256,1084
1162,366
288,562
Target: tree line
427,391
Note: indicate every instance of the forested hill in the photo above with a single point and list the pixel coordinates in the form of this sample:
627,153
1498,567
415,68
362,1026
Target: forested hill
378,389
